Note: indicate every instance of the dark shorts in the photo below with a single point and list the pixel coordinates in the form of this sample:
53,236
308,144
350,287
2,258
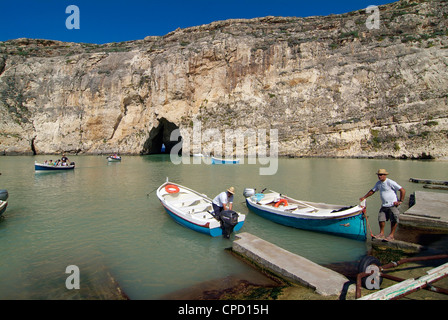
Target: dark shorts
389,213
217,209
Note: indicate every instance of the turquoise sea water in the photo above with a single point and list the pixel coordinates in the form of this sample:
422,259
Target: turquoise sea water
106,216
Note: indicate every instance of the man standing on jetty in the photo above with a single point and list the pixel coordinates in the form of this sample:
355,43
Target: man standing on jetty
389,208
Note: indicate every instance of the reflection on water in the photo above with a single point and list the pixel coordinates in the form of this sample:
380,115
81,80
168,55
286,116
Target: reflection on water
105,218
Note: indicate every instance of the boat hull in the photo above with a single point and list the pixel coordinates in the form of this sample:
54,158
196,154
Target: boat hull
111,159
43,167
353,226
214,232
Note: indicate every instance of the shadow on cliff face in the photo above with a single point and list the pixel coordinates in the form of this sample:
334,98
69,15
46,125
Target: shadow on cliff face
159,136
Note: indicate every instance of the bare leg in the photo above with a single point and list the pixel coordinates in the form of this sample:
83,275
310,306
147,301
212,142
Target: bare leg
393,227
381,234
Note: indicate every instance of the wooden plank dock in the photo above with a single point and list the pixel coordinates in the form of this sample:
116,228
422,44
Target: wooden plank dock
429,181
410,285
290,266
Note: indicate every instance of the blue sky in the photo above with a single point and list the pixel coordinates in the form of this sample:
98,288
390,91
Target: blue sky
104,21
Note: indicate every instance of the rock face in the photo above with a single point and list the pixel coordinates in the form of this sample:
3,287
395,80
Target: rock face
330,86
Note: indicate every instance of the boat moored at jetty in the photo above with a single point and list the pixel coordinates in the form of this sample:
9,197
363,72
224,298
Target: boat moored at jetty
346,221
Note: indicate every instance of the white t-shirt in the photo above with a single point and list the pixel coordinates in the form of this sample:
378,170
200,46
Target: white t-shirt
221,199
388,191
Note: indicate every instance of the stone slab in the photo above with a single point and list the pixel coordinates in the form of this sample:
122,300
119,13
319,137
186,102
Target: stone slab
293,267
429,211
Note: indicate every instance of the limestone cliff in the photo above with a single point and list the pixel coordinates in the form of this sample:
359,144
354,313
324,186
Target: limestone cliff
329,85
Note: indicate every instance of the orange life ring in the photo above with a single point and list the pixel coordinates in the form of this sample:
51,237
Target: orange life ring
285,203
171,188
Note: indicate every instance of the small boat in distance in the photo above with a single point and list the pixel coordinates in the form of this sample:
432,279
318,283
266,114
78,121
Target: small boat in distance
346,221
53,167
216,160
194,210
114,158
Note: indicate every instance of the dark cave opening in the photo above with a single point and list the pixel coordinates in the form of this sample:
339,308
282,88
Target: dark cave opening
160,136
33,148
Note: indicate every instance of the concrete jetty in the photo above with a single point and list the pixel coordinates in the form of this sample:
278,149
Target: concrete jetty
430,211
290,266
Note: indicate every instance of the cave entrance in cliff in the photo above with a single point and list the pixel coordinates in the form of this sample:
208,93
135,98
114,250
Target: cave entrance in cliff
159,138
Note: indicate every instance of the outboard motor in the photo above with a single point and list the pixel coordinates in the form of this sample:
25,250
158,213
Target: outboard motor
248,192
229,219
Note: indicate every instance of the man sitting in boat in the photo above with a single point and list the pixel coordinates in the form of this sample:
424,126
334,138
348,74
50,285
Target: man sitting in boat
223,201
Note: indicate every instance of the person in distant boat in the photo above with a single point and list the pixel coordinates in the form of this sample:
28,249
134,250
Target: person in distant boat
389,208
64,159
223,201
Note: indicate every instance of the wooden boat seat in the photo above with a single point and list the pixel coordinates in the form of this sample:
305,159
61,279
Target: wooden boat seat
267,200
290,207
183,201
306,210
198,208
203,215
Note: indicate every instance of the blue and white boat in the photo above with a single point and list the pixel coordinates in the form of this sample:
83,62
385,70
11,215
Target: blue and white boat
338,220
52,167
216,160
114,158
195,211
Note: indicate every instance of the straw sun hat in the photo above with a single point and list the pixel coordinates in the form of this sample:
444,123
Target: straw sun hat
231,190
382,171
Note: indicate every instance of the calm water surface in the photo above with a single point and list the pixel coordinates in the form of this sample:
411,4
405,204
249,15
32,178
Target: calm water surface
105,216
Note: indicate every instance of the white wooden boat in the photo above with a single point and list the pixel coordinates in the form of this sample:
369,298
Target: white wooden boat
347,221
51,167
195,211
